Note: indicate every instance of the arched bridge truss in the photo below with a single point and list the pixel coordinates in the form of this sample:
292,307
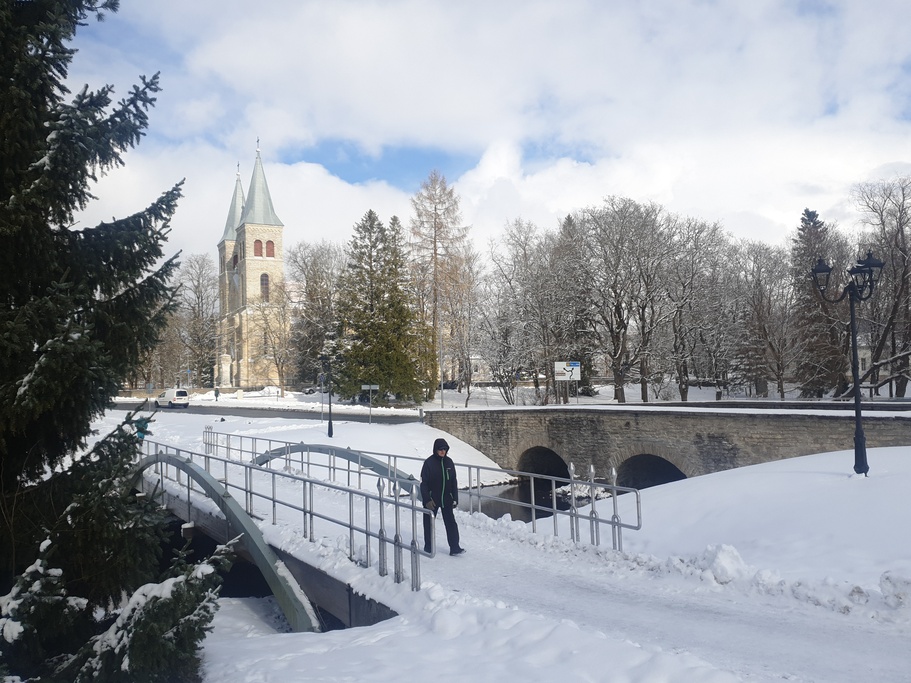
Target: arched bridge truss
294,603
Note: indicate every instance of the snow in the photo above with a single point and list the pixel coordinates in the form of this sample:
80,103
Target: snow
796,570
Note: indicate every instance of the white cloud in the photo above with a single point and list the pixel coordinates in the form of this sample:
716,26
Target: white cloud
741,112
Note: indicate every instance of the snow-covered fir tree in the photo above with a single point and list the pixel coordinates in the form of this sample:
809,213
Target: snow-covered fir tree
82,305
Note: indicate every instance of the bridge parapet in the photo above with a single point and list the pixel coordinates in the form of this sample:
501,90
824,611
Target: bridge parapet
695,440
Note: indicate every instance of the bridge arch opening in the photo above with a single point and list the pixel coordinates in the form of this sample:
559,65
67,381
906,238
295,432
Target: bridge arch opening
514,498
542,460
646,470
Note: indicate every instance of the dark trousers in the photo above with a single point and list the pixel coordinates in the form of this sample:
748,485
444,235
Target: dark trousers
452,529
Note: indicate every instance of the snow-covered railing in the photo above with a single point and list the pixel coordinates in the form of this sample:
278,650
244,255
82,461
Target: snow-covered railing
350,466
340,464
582,507
285,495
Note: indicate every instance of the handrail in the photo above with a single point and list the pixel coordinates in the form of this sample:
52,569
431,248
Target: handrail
294,603
362,460
307,487
248,447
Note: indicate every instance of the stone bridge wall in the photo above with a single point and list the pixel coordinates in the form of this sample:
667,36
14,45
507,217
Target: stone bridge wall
697,441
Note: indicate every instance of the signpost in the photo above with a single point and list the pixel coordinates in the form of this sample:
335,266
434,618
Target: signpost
568,371
370,388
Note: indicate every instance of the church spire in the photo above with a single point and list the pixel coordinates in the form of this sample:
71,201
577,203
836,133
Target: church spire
235,212
258,207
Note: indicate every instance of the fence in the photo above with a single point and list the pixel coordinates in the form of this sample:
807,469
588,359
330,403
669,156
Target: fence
353,466
361,512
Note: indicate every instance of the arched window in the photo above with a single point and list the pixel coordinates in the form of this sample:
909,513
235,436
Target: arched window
234,261
270,249
264,287
258,248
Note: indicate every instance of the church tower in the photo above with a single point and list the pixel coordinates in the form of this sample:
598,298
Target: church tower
251,266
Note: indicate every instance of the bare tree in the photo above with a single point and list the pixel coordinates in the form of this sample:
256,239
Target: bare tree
275,323
771,312
697,245
498,340
313,274
437,247
461,303
627,243
886,210
198,315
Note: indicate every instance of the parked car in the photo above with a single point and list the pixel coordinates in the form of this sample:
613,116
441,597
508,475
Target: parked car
173,398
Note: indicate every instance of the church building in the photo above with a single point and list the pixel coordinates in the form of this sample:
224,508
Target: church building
251,263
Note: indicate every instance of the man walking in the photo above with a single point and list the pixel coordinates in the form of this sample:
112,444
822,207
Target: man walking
440,491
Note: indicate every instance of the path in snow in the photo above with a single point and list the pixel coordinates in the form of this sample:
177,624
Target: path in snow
759,636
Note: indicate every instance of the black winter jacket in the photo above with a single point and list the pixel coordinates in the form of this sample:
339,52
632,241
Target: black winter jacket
438,481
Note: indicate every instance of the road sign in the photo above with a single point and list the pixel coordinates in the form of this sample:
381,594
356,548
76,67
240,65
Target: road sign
568,371
370,388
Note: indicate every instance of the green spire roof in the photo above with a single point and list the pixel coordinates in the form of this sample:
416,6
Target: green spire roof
258,207
235,212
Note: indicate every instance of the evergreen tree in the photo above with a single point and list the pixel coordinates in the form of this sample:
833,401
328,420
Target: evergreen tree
155,636
80,306
379,334
822,362
38,619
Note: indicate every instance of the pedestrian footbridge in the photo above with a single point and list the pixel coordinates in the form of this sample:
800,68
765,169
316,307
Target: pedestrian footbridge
269,491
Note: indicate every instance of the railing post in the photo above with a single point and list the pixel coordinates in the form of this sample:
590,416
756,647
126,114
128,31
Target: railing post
594,528
248,485
415,553
304,508
553,507
381,558
616,530
351,526
274,504
574,512
312,534
534,505
366,529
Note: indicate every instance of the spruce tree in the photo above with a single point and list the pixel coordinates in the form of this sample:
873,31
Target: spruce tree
379,334
822,362
81,304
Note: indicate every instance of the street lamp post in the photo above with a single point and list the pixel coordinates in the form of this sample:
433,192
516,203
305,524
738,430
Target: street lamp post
327,363
860,288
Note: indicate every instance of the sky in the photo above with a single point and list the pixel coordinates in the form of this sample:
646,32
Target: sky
745,113
797,571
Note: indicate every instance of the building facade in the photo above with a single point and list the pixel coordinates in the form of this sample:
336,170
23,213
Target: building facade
251,269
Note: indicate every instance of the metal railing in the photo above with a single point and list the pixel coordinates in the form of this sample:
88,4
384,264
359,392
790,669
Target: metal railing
573,490
352,466
362,513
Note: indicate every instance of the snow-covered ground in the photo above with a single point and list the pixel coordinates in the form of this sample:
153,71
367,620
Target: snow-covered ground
790,571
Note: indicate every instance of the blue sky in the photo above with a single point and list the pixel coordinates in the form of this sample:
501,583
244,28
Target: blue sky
742,113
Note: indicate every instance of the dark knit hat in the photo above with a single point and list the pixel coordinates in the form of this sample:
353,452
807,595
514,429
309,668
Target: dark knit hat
440,443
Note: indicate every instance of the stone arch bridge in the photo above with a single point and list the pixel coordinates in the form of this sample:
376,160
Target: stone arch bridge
650,445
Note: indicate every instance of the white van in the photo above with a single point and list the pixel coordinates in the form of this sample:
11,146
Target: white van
173,398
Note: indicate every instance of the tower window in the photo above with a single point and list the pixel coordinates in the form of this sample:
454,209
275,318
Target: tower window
234,261
270,249
264,287
258,248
